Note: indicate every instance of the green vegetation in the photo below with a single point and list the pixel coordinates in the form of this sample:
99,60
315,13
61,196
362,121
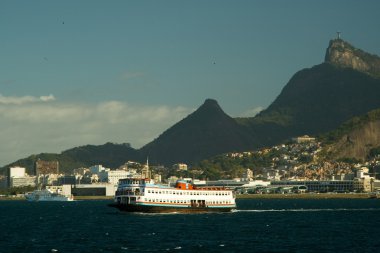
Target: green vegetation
349,126
374,152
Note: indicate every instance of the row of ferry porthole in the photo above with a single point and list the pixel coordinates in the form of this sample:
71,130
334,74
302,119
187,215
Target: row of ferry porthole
191,193
184,201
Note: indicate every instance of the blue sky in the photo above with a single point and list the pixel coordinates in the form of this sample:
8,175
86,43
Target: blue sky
87,72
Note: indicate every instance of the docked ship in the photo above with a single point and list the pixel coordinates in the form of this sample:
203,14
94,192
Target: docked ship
46,195
143,195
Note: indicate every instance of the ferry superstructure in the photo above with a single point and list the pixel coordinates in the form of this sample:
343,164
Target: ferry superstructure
46,195
142,195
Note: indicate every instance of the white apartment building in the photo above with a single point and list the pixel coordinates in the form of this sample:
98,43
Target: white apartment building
16,171
22,181
113,176
17,177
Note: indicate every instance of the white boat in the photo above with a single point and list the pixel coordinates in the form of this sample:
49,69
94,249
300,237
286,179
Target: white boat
142,195
46,195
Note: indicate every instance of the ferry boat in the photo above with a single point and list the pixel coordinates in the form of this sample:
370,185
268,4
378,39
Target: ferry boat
142,195
46,195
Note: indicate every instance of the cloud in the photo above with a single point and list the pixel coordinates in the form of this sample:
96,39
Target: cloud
25,99
29,127
252,112
47,98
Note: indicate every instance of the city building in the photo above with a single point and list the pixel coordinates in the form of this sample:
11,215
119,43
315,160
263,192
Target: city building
22,181
356,185
248,175
17,177
66,180
145,172
42,167
180,167
113,176
101,189
303,139
96,169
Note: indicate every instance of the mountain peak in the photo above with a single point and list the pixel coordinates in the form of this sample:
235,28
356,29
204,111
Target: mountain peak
209,111
209,102
342,54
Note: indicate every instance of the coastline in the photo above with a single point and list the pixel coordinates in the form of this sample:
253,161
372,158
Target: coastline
245,196
75,198
305,196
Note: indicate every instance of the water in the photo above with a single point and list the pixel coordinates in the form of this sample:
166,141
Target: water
286,225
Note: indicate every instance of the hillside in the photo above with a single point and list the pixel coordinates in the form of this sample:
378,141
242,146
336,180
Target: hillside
357,138
109,155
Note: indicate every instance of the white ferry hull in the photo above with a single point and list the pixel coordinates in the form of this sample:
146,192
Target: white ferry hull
169,209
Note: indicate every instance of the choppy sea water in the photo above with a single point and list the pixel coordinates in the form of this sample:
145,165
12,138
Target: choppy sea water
286,225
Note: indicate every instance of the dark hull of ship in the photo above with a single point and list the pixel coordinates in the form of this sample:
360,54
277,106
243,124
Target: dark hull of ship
168,209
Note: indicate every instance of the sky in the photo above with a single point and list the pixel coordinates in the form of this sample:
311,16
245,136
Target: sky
80,72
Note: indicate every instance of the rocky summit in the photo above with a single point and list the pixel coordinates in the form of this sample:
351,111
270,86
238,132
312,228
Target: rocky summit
343,54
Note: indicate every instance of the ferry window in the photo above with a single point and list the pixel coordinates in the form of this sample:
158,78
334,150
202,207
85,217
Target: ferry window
148,191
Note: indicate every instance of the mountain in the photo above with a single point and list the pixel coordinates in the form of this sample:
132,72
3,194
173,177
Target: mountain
109,155
320,98
314,101
206,132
